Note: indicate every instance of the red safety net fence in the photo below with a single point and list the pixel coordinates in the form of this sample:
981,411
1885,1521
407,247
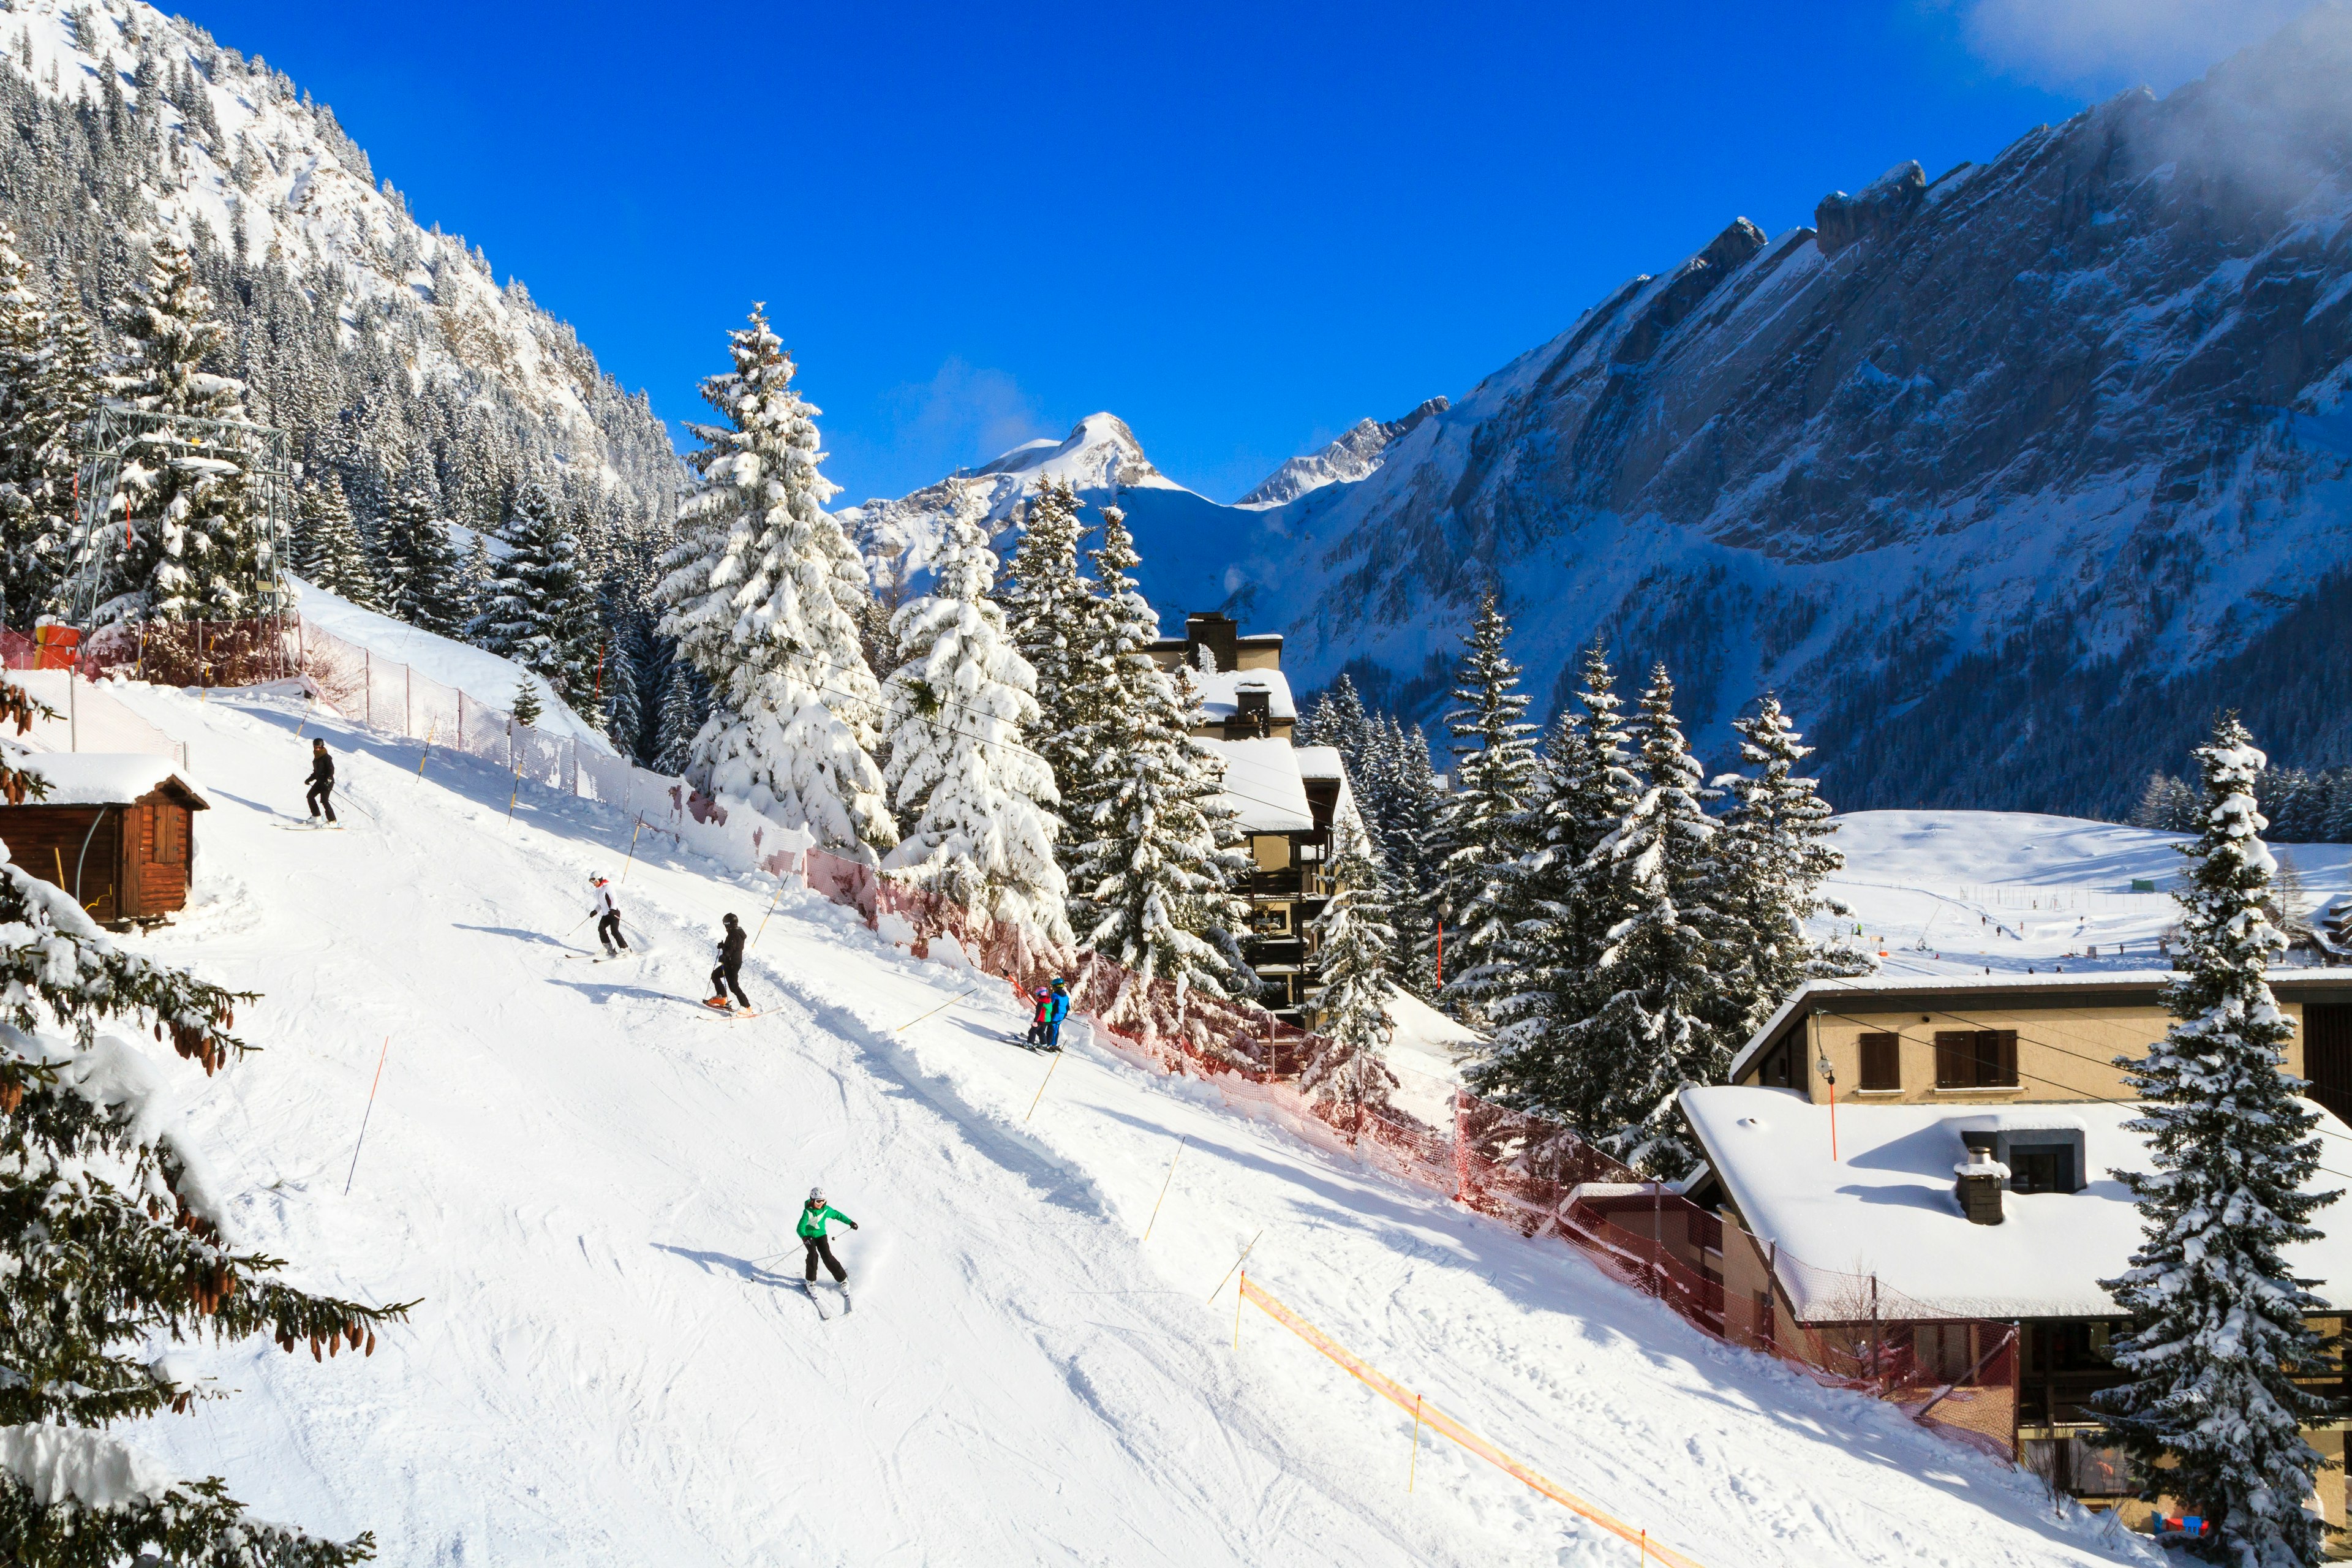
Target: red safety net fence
1956,1376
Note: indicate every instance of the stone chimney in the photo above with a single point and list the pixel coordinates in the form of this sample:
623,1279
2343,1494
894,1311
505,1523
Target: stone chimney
1978,1184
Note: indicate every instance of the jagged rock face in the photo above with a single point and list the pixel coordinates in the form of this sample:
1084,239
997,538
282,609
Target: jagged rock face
1981,464
1351,458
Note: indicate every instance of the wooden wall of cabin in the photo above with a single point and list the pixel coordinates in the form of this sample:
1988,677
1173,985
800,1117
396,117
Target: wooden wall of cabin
156,870
47,842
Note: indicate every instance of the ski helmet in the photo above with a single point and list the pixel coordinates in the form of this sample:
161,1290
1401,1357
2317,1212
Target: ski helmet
729,918
817,1194
1060,983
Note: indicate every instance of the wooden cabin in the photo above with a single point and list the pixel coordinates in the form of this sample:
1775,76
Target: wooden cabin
116,830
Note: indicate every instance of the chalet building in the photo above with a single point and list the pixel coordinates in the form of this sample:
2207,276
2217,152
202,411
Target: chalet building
1954,1141
1284,797
117,831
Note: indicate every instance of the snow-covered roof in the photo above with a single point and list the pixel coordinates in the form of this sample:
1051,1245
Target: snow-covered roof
1220,692
105,778
1262,783
1320,763
1967,991
1886,1206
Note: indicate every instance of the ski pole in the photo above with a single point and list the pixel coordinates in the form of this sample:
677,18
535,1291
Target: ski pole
1163,1190
365,1115
1237,1263
940,1008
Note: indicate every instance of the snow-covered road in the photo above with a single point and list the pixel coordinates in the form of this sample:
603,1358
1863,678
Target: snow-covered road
579,1171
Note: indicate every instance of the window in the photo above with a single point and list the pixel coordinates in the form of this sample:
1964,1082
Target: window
1882,1061
1976,1059
2040,1168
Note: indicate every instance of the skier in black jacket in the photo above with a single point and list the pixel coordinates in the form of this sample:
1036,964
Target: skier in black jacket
322,782
729,975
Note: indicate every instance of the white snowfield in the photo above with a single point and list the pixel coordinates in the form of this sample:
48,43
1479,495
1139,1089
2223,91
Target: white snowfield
583,1177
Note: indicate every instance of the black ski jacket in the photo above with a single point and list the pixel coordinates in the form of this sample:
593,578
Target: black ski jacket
730,949
322,768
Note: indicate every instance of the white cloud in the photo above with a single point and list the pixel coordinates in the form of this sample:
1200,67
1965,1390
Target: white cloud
2107,45
964,415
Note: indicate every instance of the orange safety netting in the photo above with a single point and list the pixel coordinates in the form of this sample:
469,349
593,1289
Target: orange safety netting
1427,1415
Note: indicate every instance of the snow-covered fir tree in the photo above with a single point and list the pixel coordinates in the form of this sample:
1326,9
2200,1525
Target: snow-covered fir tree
1773,854
2219,1332
421,569
1476,833
1544,984
2167,805
1150,879
1049,608
476,580
1399,796
329,550
763,596
977,803
187,536
619,663
1356,946
1669,1021
525,710
1339,719
117,1241
47,391
541,613
677,720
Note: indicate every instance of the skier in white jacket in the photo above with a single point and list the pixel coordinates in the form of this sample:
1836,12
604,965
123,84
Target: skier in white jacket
608,917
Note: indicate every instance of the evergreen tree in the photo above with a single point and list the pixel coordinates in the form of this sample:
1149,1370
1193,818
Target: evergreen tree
477,581
679,721
763,594
1668,1022
1153,868
619,660
1338,718
420,565
38,416
329,550
1544,984
1476,833
1774,854
2219,1332
117,1241
978,802
1349,1071
1049,608
190,530
1399,800
525,710
540,614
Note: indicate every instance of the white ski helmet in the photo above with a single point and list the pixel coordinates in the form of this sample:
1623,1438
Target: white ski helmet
817,1194
594,876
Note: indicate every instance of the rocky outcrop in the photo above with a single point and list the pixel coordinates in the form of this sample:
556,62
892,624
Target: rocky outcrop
1884,206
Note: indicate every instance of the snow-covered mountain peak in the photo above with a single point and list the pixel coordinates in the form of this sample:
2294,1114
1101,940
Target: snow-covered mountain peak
1352,457
1100,453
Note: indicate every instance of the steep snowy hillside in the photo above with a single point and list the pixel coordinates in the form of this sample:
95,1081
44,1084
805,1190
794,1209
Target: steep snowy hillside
360,331
1350,458
584,1175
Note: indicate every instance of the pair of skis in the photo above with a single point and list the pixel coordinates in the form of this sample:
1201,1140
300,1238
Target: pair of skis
809,1290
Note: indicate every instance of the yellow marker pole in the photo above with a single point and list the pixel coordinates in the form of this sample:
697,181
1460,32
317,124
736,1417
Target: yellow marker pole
1041,1087
1237,1311
1164,1186
1237,1263
306,718
1415,1466
771,910
633,847
427,752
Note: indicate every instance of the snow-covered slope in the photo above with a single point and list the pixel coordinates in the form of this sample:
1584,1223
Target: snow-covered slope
584,1176
1350,458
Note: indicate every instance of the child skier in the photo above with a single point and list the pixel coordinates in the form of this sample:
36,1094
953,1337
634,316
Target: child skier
608,917
321,781
1057,1008
814,1214
729,975
1037,1024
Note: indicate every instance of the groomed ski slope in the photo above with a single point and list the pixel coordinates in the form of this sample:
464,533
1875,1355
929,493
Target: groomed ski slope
576,1169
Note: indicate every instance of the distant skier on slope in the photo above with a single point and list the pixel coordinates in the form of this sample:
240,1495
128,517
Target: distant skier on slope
608,917
1057,1008
322,782
729,975
814,1214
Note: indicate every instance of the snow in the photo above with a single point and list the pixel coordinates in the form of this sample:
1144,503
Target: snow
1320,763
1886,1206
91,1468
106,778
580,1171
484,677
1262,786
1422,1053
1221,692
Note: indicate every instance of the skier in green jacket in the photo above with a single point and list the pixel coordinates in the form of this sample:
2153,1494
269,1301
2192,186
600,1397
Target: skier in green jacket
814,1214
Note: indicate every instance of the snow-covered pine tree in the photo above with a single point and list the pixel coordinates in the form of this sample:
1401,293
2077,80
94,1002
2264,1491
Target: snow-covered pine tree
619,660
1478,831
525,710
1337,717
477,581
977,802
1668,1021
1401,800
186,525
1774,853
36,442
1050,609
1356,950
421,568
2218,1331
329,550
763,595
117,1239
1150,884
678,721
541,614
1542,986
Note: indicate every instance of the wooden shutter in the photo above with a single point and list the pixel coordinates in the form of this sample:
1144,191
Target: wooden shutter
2327,1055
1956,1060
1882,1061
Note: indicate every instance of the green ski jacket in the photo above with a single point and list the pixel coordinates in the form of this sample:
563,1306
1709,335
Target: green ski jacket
813,1224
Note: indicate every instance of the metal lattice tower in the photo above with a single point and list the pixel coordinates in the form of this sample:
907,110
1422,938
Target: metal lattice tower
108,439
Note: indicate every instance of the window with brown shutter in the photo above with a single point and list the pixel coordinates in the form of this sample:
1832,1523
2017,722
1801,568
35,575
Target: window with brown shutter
1881,1064
1976,1058
1956,1060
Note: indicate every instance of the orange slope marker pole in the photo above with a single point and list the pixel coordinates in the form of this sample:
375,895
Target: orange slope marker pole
1164,1186
369,1111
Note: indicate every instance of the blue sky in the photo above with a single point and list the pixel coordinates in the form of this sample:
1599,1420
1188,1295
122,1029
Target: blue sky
1241,227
